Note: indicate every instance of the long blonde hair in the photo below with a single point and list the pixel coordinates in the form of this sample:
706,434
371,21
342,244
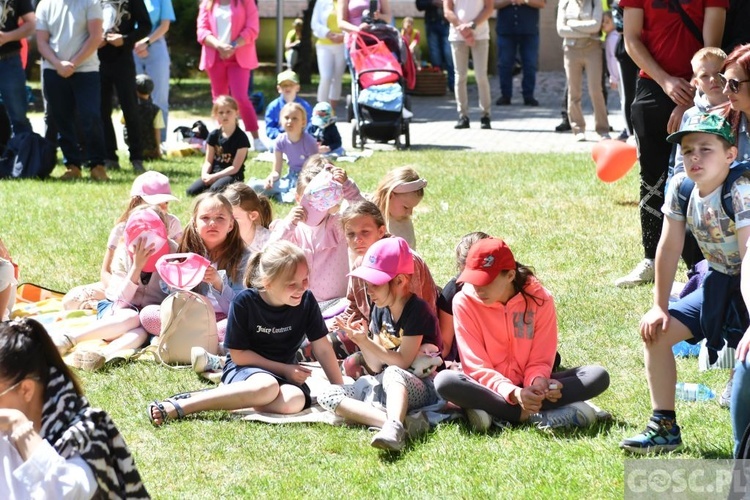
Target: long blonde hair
392,180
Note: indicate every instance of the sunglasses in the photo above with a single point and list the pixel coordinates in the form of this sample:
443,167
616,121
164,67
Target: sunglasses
734,85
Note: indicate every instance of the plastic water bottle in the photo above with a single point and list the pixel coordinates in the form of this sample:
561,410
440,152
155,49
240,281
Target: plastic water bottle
685,391
684,350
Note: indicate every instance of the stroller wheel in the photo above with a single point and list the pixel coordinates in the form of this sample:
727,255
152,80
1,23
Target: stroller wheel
354,135
407,138
349,110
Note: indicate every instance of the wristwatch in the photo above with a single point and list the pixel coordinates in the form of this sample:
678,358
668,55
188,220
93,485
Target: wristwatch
473,25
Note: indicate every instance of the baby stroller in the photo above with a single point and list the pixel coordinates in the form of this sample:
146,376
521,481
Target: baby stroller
379,83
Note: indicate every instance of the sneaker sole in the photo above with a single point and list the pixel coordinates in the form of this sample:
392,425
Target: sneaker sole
385,445
651,450
479,420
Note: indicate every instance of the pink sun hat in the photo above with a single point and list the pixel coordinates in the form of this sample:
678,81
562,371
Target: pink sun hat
384,260
153,187
146,224
321,194
183,271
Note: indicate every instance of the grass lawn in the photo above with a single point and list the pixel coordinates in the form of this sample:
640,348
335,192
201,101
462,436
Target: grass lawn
578,233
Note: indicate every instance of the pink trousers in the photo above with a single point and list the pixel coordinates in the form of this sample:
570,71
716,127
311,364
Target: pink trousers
229,78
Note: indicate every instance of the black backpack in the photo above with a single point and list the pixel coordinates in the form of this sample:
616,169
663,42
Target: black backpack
28,155
686,188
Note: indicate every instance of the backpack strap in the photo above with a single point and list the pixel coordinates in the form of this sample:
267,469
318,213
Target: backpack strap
740,170
683,194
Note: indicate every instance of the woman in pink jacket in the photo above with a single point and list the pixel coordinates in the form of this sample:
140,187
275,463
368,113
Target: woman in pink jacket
227,30
506,331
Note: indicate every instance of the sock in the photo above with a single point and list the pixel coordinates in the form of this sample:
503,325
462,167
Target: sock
665,414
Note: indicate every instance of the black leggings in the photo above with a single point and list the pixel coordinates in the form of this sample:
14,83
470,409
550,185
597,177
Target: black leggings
579,384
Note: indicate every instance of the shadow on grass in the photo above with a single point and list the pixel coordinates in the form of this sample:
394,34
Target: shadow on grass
438,147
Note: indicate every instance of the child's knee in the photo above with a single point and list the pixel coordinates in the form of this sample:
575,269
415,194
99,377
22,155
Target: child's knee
395,375
332,398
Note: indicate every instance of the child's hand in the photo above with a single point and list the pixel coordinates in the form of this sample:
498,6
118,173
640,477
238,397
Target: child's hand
613,85
339,175
296,214
323,149
213,278
654,322
530,398
297,374
141,253
207,179
356,330
272,177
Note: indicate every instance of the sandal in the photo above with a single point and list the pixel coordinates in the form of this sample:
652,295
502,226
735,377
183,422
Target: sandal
163,412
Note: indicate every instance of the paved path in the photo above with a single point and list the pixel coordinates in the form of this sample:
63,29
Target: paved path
515,128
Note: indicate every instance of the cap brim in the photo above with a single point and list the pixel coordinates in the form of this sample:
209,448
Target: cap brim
158,199
676,137
475,277
370,275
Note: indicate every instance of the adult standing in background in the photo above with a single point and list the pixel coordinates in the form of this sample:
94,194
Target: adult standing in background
437,28
662,44
736,30
470,33
579,24
12,75
227,30
125,23
517,28
152,55
350,13
329,49
67,36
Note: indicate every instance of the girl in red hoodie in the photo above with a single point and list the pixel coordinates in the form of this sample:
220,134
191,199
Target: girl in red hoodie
506,331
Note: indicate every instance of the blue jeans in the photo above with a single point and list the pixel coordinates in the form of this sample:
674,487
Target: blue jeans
507,48
156,65
440,48
740,407
65,96
13,92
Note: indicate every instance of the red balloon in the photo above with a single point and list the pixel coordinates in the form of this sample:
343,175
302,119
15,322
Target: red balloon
613,159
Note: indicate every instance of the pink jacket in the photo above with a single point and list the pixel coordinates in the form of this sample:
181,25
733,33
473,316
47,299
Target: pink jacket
497,348
245,25
325,248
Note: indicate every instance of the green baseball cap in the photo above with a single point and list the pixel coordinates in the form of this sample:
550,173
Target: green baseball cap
287,76
707,123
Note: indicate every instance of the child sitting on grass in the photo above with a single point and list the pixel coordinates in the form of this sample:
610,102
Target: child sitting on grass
401,325
287,84
506,331
226,150
150,118
267,323
718,310
297,145
323,128
396,195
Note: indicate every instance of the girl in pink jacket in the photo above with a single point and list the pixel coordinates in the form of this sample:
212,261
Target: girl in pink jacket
506,331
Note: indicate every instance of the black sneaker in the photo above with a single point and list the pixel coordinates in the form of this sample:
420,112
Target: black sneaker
530,101
564,126
485,122
463,122
503,101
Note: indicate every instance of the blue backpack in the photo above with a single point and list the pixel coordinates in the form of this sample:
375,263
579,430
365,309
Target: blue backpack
686,188
28,155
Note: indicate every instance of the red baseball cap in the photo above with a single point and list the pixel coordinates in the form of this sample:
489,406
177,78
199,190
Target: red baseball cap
486,259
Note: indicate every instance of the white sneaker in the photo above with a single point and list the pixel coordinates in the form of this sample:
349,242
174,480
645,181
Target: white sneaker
259,146
63,343
642,274
204,361
479,420
391,437
575,414
604,137
580,137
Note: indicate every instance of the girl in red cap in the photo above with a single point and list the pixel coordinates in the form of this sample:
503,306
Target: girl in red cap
506,331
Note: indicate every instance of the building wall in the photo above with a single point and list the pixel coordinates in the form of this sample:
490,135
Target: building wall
550,53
